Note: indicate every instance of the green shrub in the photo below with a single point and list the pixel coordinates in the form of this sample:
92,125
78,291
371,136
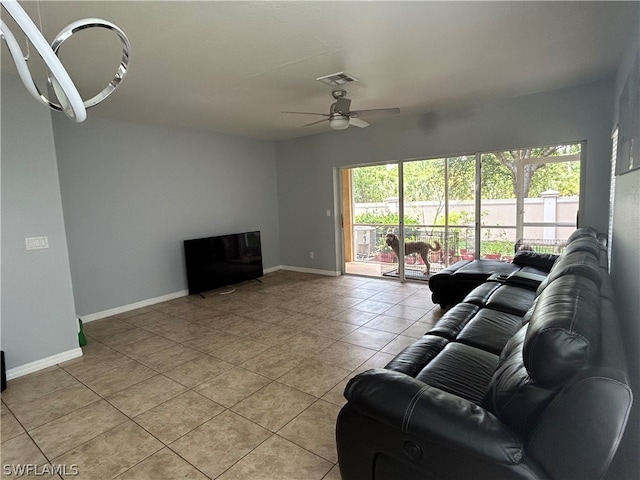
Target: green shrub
497,246
386,218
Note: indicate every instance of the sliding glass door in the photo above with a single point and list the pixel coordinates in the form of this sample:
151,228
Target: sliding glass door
439,212
420,210
529,199
426,212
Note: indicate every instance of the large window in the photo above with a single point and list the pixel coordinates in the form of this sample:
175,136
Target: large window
528,198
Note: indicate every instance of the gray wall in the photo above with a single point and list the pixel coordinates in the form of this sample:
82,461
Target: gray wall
132,193
625,274
305,165
38,316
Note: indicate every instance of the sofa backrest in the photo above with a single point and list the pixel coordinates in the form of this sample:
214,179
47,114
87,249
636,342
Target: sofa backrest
584,244
561,380
578,433
582,232
560,338
563,334
511,395
579,262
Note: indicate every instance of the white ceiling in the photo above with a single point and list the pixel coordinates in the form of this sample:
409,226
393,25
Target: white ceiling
232,67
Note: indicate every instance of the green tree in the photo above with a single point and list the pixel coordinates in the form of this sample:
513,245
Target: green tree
462,174
496,180
512,159
375,184
563,177
424,179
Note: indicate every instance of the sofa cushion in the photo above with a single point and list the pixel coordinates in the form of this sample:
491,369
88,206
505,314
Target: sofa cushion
453,321
461,370
450,285
480,295
564,330
416,356
511,299
451,269
490,330
482,269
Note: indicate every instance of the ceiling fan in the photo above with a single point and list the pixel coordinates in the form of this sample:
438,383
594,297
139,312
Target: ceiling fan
340,117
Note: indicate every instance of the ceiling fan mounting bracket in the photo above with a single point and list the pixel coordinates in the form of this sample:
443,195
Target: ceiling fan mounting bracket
337,94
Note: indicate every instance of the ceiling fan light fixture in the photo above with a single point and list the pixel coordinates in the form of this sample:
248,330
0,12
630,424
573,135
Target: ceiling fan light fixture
339,122
340,115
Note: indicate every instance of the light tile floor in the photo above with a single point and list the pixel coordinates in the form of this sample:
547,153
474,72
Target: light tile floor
239,386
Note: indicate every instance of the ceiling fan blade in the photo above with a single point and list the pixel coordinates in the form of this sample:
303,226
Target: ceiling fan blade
315,123
358,122
309,113
375,112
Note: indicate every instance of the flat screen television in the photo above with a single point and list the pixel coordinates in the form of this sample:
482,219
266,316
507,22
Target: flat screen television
215,262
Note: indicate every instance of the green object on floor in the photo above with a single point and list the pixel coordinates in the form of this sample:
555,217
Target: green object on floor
81,338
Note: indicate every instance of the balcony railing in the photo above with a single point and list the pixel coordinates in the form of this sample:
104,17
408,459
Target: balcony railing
456,243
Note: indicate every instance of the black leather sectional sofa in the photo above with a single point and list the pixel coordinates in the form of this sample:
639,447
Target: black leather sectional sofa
517,381
451,285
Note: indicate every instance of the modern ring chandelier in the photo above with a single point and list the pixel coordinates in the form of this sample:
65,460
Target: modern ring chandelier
63,87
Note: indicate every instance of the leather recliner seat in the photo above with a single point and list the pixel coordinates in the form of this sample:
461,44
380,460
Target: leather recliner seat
514,382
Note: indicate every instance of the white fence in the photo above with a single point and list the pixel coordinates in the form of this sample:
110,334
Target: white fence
548,209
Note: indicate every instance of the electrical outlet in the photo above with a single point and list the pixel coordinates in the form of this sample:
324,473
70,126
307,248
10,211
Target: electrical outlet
312,255
36,243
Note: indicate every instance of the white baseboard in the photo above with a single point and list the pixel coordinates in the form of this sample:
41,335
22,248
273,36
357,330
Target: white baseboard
133,306
77,352
330,273
43,363
303,270
183,293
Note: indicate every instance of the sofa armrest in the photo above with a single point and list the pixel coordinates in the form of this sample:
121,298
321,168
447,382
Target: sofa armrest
418,409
